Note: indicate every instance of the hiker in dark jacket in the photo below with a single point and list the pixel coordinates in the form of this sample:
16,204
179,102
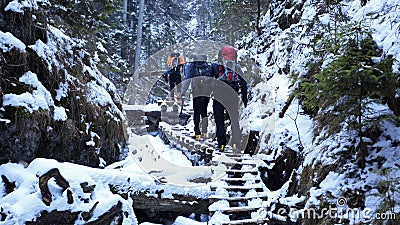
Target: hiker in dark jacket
174,68
198,75
226,96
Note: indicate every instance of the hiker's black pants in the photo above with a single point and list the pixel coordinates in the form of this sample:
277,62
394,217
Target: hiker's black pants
219,115
174,79
200,114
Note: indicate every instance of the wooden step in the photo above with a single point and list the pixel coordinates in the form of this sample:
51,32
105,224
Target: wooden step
234,163
242,157
213,198
242,171
245,221
177,129
229,153
241,179
238,209
239,188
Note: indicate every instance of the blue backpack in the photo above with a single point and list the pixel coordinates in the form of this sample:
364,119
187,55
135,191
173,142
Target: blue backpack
201,71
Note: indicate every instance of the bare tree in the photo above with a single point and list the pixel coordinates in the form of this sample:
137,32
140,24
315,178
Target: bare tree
124,41
258,18
124,11
139,35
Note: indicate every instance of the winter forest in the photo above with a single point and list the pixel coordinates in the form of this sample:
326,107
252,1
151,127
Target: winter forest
91,132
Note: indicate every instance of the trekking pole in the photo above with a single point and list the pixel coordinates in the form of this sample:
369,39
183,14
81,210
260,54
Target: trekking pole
182,118
181,106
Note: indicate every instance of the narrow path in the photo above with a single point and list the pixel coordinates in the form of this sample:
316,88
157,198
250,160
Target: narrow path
238,194
238,191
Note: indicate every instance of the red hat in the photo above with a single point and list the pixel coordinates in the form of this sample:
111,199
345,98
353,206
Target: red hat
228,53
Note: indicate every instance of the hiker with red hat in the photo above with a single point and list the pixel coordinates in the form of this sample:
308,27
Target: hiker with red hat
226,96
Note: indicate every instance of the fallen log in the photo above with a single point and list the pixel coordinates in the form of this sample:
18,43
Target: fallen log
109,216
179,204
286,106
68,217
55,217
60,181
87,215
87,188
9,186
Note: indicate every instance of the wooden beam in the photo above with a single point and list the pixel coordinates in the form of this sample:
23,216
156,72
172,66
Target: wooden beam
179,204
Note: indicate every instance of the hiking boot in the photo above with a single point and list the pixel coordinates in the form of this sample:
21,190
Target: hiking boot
221,148
234,147
204,135
197,137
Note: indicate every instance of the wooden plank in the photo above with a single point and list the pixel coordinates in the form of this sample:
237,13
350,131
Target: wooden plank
245,221
241,171
230,153
262,195
240,158
237,209
176,129
239,188
235,163
240,179
178,204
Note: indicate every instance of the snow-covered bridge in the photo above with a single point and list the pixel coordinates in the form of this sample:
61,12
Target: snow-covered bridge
235,190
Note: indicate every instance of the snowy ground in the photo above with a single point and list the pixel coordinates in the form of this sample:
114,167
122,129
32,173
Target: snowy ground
25,204
149,155
383,18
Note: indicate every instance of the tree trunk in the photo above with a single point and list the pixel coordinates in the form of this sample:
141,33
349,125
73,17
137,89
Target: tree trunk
286,106
124,12
362,148
139,37
132,53
124,44
258,27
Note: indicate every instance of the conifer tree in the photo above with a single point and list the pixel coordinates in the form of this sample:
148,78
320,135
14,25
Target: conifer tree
345,90
234,19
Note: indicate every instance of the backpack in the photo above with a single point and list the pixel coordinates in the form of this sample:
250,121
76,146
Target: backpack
174,62
202,72
174,68
201,69
228,74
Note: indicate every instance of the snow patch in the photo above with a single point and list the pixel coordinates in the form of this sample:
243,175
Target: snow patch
60,113
9,42
19,6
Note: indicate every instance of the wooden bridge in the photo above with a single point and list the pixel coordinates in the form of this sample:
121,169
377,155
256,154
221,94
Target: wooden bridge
238,193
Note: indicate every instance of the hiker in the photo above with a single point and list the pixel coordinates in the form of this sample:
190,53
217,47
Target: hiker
229,76
174,69
198,75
